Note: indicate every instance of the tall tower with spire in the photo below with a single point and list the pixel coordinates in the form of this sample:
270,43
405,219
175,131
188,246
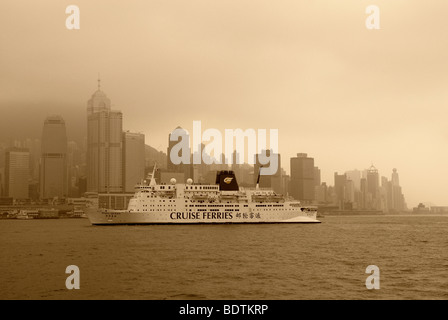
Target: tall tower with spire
99,101
104,145
395,179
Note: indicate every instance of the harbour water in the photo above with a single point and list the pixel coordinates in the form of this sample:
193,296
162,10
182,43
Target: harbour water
236,262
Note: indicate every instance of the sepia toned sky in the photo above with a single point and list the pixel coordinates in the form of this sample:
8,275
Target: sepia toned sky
348,96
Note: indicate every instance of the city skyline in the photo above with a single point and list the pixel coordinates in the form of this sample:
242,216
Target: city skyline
127,187
133,158
347,96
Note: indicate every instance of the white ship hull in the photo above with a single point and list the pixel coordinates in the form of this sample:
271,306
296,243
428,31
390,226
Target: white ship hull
124,217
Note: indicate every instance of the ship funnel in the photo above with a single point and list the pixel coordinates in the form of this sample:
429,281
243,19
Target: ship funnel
227,181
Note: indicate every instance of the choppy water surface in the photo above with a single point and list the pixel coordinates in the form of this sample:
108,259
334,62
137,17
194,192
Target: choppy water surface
278,261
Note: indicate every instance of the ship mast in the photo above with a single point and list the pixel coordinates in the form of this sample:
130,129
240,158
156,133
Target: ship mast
258,178
152,182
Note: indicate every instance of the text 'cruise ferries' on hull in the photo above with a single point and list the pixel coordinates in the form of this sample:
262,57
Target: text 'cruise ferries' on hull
223,202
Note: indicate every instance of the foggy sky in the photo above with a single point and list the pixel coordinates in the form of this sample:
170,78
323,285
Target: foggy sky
347,96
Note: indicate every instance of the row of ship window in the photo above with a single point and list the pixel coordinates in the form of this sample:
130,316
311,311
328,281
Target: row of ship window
209,205
226,210
236,210
280,209
201,188
269,205
215,205
159,205
163,187
145,210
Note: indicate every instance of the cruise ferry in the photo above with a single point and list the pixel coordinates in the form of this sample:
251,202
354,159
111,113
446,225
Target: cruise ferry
189,203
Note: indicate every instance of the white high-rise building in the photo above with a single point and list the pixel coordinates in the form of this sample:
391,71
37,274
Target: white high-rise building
104,145
133,160
53,164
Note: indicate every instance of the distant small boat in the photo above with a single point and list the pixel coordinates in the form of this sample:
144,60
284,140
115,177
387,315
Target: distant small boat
23,215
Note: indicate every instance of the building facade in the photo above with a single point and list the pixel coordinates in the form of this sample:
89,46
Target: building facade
53,177
104,146
133,160
17,173
302,178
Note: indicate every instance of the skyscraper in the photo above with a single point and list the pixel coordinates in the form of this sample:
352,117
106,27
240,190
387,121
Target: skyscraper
53,165
340,181
386,194
133,159
17,173
355,176
372,180
302,178
34,147
397,197
373,189
363,201
104,145
395,179
317,179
